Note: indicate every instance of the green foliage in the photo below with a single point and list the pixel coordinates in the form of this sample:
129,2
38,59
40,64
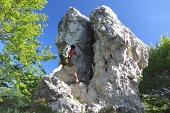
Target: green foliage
156,104
156,78
77,100
23,105
20,60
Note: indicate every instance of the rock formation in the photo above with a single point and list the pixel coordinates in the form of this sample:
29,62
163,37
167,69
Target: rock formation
75,28
112,60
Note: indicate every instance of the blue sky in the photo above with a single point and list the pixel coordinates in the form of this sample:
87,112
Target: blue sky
147,19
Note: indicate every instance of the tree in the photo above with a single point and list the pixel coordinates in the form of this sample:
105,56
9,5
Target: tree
156,77
20,60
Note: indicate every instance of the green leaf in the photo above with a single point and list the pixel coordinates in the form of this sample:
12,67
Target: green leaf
20,61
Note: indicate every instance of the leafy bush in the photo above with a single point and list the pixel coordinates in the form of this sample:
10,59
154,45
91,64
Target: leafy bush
156,78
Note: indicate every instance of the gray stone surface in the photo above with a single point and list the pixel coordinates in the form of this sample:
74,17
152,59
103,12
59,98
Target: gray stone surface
52,89
75,28
112,60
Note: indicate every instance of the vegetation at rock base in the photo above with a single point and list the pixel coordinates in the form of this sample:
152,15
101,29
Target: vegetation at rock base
21,57
155,85
23,105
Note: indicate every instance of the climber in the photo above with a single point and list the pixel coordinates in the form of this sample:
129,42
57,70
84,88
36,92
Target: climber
67,61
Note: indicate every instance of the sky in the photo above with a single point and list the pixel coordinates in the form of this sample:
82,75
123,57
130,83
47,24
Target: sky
147,19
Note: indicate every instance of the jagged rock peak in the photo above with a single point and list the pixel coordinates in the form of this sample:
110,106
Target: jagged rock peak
119,58
74,13
107,28
75,28
104,11
72,10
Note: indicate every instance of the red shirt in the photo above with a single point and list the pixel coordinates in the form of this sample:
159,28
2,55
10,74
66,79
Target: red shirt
71,52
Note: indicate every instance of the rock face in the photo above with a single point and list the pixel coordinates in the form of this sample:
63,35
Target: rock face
119,59
75,28
58,95
112,58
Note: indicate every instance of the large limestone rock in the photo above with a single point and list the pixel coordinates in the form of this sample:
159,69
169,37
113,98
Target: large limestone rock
119,58
52,89
112,59
58,95
75,28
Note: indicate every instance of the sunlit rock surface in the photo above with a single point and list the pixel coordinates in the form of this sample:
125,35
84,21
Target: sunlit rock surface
112,60
75,28
119,58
